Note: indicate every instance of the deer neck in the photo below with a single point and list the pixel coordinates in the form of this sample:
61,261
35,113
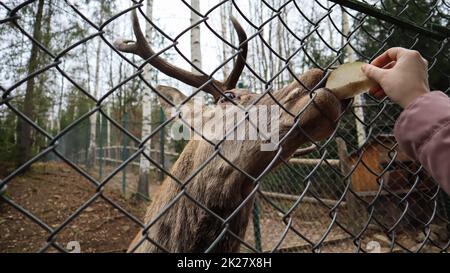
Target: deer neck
218,187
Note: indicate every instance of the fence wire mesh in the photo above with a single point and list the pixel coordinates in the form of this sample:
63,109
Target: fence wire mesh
356,192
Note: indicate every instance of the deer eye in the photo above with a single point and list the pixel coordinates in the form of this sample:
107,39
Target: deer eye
227,96
230,95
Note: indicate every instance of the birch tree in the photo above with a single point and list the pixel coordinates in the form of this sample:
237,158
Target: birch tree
93,118
358,100
144,165
224,33
196,52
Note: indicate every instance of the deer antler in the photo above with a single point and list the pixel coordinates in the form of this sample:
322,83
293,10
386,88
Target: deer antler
233,78
143,49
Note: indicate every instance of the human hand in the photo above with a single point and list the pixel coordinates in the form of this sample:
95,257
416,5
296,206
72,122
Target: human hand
402,75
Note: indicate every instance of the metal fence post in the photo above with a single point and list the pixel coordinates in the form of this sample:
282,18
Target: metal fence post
161,144
101,143
257,225
86,150
124,153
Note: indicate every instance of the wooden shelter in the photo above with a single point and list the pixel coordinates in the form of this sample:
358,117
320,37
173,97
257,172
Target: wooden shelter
377,156
380,164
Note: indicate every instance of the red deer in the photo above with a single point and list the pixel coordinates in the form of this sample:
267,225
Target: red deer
182,225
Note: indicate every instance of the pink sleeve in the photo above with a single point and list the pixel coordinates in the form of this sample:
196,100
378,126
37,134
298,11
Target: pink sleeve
423,133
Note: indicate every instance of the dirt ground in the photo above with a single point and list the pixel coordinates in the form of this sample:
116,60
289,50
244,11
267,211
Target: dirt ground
313,223
53,192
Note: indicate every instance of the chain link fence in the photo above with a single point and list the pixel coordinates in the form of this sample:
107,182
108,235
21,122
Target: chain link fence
355,192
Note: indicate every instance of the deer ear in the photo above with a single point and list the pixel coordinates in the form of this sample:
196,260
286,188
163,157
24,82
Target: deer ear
172,94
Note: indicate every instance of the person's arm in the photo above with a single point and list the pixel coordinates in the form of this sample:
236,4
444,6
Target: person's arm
423,132
423,128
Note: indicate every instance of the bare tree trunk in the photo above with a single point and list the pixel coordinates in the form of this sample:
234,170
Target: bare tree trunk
264,68
279,39
88,69
60,102
288,48
144,164
358,100
111,107
108,127
24,130
330,27
42,108
224,32
196,52
355,213
93,118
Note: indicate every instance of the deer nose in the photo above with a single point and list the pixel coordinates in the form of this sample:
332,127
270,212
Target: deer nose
323,81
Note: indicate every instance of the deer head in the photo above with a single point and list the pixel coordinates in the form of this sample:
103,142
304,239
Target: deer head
210,209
